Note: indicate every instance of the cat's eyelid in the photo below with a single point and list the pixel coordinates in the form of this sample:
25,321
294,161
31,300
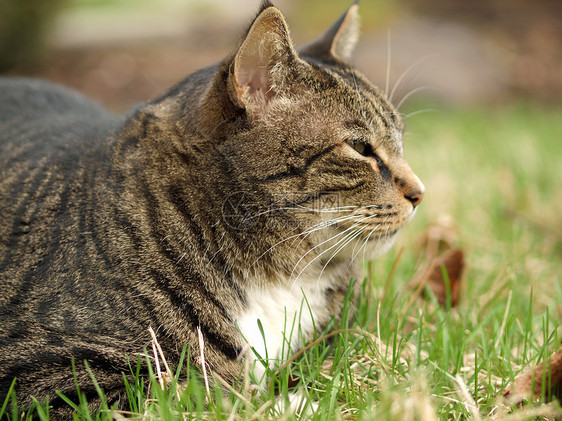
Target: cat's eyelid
357,125
357,139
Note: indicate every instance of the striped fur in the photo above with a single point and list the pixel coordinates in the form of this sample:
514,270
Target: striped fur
189,211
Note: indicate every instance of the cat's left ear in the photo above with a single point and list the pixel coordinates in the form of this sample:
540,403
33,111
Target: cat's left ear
339,40
262,62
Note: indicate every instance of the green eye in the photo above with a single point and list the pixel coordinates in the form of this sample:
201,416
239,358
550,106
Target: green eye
358,145
366,150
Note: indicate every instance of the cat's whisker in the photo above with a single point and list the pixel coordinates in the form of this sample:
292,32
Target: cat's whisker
325,210
326,224
365,243
335,245
388,63
407,71
307,232
364,246
302,208
371,233
413,92
330,223
349,238
342,243
319,255
425,110
405,85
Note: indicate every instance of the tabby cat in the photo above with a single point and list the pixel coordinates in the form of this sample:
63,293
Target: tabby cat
250,185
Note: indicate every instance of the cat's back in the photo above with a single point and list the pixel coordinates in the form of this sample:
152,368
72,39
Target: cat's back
53,150
38,117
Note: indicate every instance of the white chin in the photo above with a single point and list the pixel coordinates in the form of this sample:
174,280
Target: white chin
359,250
379,247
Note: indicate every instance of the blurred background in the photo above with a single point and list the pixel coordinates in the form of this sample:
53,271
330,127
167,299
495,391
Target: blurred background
489,153
124,51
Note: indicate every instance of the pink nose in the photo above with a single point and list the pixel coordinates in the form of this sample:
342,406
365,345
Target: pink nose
415,198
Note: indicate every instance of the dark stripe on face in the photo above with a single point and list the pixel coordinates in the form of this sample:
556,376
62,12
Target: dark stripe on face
386,111
363,88
383,170
348,188
296,171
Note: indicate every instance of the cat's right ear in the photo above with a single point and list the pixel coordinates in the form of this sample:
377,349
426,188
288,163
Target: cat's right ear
339,40
262,62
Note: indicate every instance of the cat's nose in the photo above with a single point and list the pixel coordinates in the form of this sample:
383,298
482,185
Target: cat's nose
413,190
415,198
410,185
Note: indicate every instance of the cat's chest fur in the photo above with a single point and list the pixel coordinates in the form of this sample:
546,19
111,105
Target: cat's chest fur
281,310
278,318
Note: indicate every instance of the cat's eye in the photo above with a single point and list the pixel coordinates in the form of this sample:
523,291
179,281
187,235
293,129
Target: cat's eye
366,150
359,146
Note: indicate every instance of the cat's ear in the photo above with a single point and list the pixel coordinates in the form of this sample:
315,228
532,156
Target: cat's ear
262,61
339,40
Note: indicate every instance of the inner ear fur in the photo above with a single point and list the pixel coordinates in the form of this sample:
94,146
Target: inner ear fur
261,63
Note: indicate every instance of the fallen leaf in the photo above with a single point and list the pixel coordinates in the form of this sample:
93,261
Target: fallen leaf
438,237
439,256
431,274
450,263
532,383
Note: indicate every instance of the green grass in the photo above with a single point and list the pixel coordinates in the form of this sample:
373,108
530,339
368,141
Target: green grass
493,177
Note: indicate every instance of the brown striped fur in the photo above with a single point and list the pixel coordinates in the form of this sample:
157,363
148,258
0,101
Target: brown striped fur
109,225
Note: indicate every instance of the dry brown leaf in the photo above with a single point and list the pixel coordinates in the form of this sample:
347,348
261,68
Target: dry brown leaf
438,252
529,384
438,237
432,275
453,262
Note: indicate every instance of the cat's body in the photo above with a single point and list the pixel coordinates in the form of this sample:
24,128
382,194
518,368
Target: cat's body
249,184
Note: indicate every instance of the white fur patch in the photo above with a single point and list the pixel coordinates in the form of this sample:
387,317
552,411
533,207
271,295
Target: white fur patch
281,310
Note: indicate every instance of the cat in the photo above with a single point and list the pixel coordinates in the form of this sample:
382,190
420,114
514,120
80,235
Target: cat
249,186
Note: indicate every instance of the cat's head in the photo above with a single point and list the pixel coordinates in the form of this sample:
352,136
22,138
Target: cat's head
306,135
